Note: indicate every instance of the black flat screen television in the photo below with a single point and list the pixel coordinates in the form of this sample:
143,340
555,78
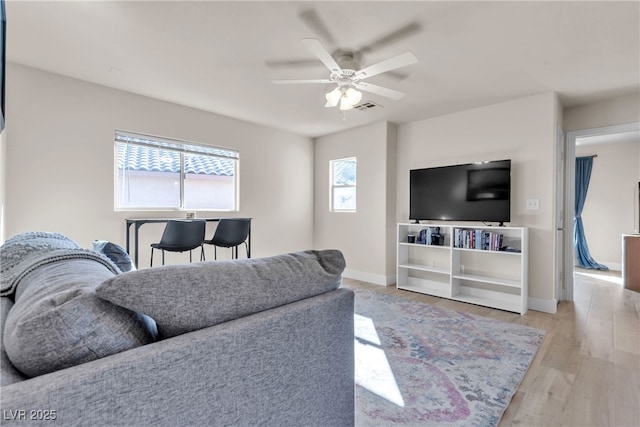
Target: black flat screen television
471,192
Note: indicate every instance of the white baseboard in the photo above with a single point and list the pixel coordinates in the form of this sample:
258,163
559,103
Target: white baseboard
376,279
617,266
544,305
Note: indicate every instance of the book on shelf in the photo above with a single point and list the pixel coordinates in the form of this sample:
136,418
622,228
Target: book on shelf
477,239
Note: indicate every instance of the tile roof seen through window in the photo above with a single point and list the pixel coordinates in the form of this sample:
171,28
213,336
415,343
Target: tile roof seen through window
139,158
344,172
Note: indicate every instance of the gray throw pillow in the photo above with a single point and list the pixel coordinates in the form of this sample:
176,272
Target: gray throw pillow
115,253
57,320
183,298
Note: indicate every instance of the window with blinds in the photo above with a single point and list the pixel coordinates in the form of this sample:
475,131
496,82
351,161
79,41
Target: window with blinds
165,174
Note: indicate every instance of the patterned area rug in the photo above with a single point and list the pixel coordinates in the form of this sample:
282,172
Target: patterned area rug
421,365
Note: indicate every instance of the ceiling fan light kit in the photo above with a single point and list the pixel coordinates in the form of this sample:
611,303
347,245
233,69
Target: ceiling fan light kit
346,98
353,96
348,76
333,97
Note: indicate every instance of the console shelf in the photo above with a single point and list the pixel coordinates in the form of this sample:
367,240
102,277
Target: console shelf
487,279
441,270
459,270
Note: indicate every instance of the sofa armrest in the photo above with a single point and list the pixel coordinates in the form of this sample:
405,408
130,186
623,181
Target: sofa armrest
288,366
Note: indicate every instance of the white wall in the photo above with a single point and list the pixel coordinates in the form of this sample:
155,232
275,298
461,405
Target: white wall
618,110
524,131
362,236
392,179
608,210
59,163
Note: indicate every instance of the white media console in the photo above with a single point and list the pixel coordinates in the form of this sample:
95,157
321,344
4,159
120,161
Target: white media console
492,278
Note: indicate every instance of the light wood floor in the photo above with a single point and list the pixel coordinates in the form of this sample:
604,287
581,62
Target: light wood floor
587,370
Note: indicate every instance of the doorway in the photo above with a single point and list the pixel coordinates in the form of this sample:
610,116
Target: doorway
603,133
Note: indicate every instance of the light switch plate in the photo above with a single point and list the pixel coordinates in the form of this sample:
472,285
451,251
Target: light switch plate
533,204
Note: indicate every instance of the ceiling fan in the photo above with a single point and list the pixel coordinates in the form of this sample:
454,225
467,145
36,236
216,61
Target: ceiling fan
348,76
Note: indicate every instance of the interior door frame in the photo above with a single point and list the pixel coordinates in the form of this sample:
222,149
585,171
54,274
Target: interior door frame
570,195
561,214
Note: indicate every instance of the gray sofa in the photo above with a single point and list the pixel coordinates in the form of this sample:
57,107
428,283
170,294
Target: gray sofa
242,343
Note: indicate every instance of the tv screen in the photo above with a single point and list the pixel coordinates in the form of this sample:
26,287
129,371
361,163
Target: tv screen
470,192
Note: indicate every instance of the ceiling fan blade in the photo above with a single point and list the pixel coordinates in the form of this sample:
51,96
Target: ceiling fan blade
394,36
323,54
398,61
397,75
293,63
312,20
379,90
295,82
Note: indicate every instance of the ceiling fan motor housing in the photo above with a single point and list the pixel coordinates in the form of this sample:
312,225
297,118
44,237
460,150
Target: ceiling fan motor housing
348,64
348,67
343,81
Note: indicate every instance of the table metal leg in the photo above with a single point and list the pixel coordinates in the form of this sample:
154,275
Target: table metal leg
127,238
136,228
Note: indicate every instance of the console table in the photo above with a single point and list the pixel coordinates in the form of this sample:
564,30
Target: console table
461,269
139,222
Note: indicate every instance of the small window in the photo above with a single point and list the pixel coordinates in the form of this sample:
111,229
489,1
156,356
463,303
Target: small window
160,173
343,185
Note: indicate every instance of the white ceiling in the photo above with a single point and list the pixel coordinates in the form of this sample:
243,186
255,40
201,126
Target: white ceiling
214,55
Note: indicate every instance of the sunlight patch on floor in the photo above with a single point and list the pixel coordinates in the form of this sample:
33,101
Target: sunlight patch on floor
606,277
373,371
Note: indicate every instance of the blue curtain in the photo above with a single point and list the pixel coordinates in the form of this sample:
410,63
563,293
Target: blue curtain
583,175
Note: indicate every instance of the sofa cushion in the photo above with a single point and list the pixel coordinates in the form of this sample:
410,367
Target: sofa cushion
8,374
57,320
183,298
115,253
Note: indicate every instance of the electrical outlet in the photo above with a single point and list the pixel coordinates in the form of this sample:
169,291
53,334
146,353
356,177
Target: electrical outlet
533,204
